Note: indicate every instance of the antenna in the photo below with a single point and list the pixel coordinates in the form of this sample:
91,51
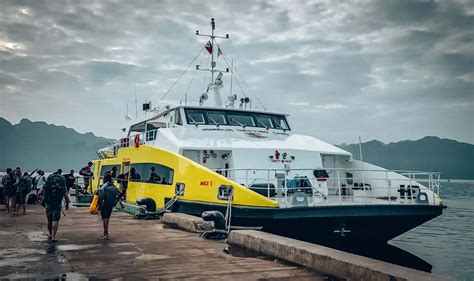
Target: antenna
212,47
136,104
127,116
231,74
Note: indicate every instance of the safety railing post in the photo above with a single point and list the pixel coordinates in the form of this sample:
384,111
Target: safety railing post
438,182
411,188
268,183
246,177
339,186
389,186
285,185
363,186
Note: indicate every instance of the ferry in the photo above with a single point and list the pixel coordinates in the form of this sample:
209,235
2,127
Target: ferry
249,164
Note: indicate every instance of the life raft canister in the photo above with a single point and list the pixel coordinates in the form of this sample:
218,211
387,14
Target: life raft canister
136,141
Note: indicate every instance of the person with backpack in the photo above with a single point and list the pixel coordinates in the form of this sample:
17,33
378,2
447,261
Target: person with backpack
9,189
23,188
54,191
86,172
109,196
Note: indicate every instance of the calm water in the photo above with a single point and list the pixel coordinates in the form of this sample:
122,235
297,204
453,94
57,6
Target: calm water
447,242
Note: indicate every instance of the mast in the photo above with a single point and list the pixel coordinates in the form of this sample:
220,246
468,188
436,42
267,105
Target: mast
213,63
212,40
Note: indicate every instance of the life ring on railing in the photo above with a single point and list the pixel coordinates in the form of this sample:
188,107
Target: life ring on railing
136,140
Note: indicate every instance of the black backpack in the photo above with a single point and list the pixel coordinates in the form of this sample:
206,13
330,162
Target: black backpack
54,189
25,185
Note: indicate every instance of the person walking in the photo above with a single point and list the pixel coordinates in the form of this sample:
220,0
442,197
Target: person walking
16,185
70,180
54,191
23,188
40,181
109,196
9,189
86,172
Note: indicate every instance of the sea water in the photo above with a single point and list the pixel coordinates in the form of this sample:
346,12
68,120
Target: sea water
446,242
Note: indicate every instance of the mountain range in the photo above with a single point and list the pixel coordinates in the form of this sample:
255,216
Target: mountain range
32,145
455,160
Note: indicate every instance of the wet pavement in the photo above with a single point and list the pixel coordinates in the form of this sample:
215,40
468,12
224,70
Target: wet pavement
138,249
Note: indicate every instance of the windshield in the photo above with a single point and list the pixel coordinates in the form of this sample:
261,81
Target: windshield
236,118
264,120
216,118
240,119
195,117
279,122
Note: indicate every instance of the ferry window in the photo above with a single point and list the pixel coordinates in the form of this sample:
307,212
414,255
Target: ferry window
216,118
108,168
280,122
137,128
349,177
264,121
151,130
195,117
240,119
177,117
151,173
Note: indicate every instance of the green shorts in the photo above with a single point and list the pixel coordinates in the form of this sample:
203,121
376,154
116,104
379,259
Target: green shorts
53,213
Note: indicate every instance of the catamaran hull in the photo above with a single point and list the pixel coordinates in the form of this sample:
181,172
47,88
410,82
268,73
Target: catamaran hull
328,225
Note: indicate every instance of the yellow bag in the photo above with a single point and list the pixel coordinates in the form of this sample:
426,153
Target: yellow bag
94,207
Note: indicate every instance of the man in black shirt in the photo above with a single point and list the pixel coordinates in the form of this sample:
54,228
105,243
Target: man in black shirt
70,180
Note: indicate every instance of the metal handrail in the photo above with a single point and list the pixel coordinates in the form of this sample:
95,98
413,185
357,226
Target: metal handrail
367,186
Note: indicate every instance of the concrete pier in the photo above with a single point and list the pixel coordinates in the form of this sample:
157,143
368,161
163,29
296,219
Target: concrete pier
323,259
138,249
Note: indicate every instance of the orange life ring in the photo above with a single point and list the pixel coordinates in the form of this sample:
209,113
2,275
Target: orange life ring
136,141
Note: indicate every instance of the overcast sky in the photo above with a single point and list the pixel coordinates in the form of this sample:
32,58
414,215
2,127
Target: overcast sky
386,70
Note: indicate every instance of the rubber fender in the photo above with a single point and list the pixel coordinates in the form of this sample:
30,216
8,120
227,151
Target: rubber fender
149,204
216,217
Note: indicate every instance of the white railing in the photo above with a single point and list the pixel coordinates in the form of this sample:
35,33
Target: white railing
342,186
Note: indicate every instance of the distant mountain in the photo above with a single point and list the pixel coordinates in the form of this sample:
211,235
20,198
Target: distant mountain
455,160
32,145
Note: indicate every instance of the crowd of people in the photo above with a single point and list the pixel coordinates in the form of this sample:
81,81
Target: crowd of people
34,187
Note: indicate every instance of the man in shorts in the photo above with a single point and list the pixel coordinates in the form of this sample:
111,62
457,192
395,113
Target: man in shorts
54,192
23,188
9,189
109,196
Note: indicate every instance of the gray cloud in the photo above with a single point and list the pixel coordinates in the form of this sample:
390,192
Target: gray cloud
389,70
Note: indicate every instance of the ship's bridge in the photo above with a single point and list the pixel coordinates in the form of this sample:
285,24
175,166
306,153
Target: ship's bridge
231,117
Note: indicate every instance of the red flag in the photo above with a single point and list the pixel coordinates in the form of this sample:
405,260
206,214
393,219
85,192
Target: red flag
208,47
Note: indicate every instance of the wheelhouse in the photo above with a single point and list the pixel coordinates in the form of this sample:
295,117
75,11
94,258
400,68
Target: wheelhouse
203,116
